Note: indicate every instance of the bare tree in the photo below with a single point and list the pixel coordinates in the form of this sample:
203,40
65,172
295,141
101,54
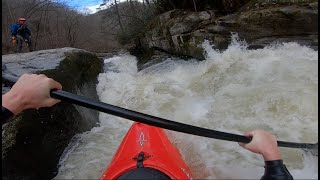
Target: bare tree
148,3
55,25
195,6
118,14
71,26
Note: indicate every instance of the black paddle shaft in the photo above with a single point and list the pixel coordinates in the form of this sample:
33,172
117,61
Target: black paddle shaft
156,121
160,122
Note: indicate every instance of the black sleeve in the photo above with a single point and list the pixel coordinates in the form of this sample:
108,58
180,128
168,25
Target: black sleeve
276,170
6,115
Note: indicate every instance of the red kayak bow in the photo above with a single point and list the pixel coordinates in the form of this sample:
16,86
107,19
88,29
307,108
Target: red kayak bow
146,152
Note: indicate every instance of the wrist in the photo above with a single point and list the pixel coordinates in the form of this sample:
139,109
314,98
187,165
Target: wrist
272,155
13,102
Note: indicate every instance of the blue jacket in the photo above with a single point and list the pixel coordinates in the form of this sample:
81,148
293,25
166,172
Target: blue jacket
18,29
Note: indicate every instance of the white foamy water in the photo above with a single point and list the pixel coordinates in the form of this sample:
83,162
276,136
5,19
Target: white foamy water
275,89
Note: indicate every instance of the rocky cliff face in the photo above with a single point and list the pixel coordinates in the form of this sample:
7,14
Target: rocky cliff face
33,142
260,23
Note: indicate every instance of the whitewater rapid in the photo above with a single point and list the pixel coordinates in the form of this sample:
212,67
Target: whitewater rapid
236,90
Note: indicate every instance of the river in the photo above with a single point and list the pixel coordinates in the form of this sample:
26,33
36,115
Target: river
235,90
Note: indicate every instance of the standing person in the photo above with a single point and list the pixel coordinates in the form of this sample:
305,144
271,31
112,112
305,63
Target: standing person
20,33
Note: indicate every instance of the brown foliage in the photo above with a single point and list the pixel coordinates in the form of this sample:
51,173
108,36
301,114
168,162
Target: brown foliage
55,25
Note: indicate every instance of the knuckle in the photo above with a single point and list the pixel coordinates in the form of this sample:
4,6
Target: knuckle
50,80
42,75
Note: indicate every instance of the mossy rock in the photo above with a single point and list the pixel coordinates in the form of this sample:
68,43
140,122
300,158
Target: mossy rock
35,140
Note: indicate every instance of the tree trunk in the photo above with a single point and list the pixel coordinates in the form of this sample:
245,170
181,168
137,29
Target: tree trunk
118,14
37,33
148,3
9,9
195,6
132,7
144,5
172,4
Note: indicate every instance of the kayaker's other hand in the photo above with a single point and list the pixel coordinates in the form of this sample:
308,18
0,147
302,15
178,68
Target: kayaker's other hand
30,91
263,143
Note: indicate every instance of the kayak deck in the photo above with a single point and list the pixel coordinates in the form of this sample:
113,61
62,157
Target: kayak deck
146,146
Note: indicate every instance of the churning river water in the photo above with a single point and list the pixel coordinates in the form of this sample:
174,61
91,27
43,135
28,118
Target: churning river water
236,90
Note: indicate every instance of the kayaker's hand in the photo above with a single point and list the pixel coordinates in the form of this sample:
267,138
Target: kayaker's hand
30,91
263,143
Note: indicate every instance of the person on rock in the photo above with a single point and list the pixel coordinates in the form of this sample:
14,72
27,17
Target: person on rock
20,33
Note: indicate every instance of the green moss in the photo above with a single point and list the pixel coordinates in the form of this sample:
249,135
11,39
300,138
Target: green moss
76,69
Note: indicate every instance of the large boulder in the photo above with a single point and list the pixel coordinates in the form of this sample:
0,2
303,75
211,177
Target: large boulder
175,32
181,32
264,24
33,142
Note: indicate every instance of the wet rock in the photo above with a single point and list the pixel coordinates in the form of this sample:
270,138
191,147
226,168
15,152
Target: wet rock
155,57
282,24
188,23
175,32
33,141
260,23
